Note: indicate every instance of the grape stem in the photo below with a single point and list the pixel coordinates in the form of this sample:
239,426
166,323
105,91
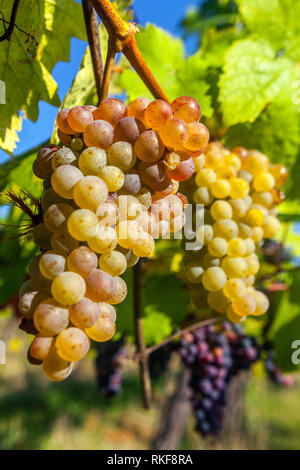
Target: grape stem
123,33
92,30
112,49
180,333
140,341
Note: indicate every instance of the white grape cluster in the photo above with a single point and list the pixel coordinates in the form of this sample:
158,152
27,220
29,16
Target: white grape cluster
109,191
238,192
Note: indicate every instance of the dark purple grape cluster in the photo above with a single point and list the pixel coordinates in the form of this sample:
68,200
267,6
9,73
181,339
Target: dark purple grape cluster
109,363
275,252
273,371
214,356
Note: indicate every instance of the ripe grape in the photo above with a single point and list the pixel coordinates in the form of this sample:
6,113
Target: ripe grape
44,159
79,117
40,346
91,160
198,137
203,196
50,317
68,288
129,129
51,264
156,113
217,247
104,241
186,108
221,210
85,313
220,188
72,344
263,182
137,108
63,180
76,144
99,133
280,174
114,263
62,121
149,147
132,183
183,169
262,303
239,188
121,155
244,305
90,192
214,278
62,243
28,303
236,247
205,177
63,156
120,292
56,368
271,227
100,286
82,224
107,311
233,288
143,245
113,177
103,330
154,175
226,228
111,110
174,133
235,267
82,261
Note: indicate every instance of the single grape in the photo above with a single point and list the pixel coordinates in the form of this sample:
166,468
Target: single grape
239,208
56,216
156,113
236,267
100,286
50,317
233,288
262,303
217,247
236,247
221,210
154,175
72,344
111,110
245,231
99,133
114,263
232,316
143,245
186,108
62,156
56,368
218,301
198,137
129,129
183,170
44,159
220,188
253,264
102,331
204,234
244,305
104,241
63,180
113,177
203,196
239,188
76,144
90,192
145,198
51,264
68,288
40,346
214,278
121,155
82,224
174,133
205,177
62,121
91,160
149,147
120,291
226,228
132,183
271,227
85,313
137,108
280,174
65,139
263,182
107,214
82,261
79,117
107,311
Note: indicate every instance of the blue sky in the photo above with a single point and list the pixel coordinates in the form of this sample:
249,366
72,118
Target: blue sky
164,13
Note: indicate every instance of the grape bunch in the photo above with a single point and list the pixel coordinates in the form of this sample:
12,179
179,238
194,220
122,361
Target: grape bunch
110,189
109,364
272,369
214,358
237,193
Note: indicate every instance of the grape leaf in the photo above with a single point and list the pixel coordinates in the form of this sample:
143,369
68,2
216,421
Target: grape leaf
286,326
274,20
277,133
252,78
26,61
165,56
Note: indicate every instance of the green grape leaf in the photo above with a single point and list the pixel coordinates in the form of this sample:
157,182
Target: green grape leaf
274,20
16,174
157,325
178,76
277,133
286,326
26,61
252,78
